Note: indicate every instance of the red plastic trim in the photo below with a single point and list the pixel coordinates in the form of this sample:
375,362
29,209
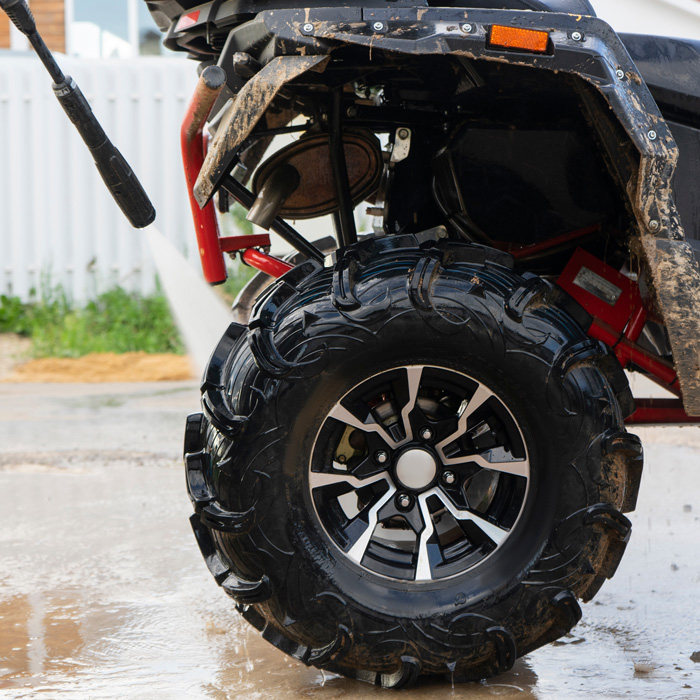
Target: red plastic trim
266,263
610,317
591,282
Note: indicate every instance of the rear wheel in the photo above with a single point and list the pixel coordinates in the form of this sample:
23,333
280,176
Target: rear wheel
412,463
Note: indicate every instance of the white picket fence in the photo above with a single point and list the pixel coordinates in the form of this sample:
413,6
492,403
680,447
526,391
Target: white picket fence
58,223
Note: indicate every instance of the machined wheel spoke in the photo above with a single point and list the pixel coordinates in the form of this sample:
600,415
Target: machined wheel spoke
517,467
493,532
413,379
357,551
320,479
424,571
481,396
344,416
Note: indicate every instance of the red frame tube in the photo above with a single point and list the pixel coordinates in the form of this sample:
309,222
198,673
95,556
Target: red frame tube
194,145
193,151
629,353
661,412
265,263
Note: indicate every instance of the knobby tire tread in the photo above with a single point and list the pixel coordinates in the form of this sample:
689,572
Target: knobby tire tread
312,318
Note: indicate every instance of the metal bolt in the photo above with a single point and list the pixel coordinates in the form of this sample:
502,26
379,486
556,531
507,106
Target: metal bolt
577,36
467,28
426,434
378,26
449,478
308,28
352,111
342,459
404,500
620,74
654,225
381,457
402,133
652,135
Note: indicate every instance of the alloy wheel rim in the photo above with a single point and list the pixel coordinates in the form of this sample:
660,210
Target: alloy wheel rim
419,473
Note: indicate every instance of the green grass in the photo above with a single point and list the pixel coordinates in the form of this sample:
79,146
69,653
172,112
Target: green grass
117,321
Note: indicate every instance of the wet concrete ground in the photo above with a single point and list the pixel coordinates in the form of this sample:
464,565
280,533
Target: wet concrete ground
103,593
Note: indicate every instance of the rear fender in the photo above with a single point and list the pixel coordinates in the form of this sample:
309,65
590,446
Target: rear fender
244,113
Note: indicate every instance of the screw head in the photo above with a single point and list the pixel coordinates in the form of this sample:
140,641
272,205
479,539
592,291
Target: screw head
402,133
378,26
308,28
352,111
403,500
577,36
620,74
467,28
381,457
654,225
426,433
449,478
342,459
652,135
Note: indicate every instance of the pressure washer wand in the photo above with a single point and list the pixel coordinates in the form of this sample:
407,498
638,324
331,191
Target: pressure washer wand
115,171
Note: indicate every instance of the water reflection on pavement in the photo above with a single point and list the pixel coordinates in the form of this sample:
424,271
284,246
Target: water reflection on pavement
103,593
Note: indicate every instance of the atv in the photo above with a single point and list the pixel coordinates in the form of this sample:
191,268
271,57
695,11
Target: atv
412,458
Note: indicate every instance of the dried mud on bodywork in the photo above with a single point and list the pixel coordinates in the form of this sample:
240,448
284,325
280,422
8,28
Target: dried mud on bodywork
244,113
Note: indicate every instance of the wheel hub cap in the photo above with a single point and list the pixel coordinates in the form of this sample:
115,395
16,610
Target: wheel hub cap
416,469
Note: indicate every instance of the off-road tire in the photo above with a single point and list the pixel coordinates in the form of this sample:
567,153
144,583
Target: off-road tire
315,334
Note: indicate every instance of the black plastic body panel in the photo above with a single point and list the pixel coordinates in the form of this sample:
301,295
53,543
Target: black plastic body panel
219,14
686,179
671,69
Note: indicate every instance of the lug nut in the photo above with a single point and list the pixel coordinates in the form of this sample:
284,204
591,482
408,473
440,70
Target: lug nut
426,433
449,478
381,457
404,500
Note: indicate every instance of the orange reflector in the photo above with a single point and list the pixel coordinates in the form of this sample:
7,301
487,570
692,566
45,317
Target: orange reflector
516,38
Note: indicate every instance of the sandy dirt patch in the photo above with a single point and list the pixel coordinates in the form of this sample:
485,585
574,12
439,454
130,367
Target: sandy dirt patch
103,367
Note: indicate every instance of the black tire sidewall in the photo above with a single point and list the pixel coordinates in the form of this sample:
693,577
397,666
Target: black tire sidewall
518,384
